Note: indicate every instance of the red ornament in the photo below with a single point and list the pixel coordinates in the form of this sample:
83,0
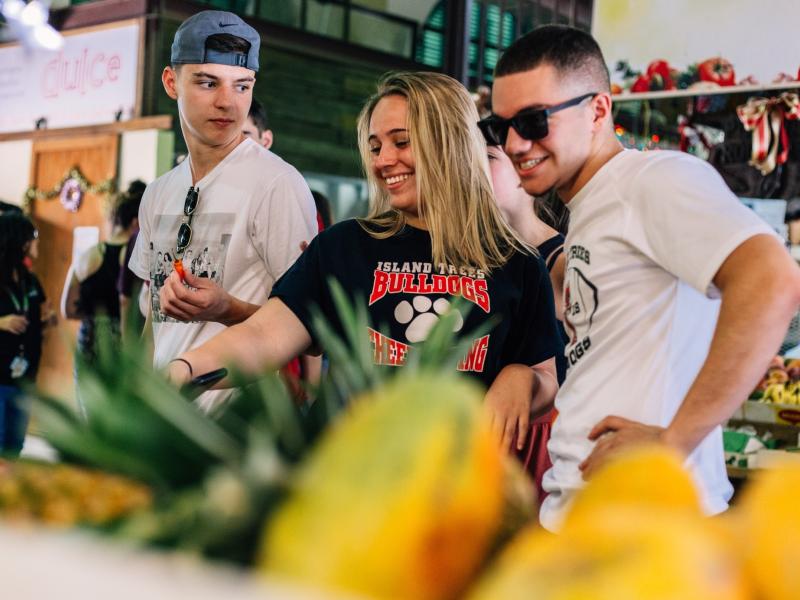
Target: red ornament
660,75
642,84
717,70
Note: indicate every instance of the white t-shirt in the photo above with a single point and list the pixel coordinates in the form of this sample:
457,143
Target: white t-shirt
253,211
647,235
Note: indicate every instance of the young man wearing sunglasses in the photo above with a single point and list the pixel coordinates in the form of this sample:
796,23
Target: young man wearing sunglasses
671,297
241,210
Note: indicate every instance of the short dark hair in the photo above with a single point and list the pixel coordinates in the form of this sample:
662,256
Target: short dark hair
128,208
323,208
224,42
569,50
16,230
136,189
5,207
259,115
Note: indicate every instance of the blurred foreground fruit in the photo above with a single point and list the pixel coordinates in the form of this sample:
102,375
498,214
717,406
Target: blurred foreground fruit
401,499
63,495
636,554
770,530
635,531
650,476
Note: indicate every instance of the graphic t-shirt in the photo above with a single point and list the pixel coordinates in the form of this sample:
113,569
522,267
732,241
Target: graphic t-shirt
253,212
406,294
647,235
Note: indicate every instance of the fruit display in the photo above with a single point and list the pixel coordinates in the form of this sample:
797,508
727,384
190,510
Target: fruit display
780,384
391,485
767,526
620,532
64,496
401,499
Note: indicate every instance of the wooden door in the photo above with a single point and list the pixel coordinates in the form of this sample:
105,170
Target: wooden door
96,157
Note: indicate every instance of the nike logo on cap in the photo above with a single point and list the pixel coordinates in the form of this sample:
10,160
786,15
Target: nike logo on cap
227,24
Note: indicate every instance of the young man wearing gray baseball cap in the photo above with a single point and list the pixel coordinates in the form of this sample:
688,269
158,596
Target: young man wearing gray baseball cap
233,202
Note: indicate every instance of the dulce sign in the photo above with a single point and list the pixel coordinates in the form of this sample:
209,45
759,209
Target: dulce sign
90,80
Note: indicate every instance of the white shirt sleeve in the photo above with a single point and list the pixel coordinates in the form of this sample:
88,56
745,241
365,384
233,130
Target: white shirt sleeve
284,218
140,257
686,219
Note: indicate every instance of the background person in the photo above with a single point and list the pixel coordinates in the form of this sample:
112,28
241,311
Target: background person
129,286
23,316
522,212
90,293
256,126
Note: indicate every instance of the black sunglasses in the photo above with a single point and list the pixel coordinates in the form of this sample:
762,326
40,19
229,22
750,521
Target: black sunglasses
530,124
185,230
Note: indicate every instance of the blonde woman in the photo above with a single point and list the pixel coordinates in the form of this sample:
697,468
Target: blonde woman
434,233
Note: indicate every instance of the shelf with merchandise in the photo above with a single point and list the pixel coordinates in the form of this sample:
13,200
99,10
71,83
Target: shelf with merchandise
706,122
703,90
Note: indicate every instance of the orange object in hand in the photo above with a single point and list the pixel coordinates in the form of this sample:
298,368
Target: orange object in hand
178,264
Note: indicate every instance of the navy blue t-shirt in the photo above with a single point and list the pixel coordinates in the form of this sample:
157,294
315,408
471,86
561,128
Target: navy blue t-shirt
406,293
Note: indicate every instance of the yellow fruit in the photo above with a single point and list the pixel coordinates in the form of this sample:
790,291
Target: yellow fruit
651,476
775,393
519,501
770,528
624,554
401,499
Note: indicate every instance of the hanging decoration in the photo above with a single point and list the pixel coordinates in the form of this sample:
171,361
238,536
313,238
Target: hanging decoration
70,191
718,71
765,117
698,139
71,195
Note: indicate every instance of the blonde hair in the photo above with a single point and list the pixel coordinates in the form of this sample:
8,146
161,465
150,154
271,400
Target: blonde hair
454,188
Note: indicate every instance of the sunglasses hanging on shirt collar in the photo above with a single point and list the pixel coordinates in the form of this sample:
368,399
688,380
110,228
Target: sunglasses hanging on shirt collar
530,124
185,230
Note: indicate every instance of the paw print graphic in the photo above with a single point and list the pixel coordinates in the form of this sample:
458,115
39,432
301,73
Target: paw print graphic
421,314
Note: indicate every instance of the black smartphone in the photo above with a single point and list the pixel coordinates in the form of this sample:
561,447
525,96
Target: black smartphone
201,383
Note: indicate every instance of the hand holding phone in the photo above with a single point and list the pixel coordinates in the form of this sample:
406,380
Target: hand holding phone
203,382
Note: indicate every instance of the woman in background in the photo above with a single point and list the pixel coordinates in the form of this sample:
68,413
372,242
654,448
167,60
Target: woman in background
21,325
91,291
542,227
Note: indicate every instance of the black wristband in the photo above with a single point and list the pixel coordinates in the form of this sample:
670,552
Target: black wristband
186,362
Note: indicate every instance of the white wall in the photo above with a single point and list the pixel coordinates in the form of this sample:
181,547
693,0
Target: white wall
144,155
15,158
759,38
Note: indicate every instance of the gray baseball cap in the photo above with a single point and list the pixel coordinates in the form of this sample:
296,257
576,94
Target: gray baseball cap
189,45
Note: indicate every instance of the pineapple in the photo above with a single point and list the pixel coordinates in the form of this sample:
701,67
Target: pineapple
63,495
216,479
213,479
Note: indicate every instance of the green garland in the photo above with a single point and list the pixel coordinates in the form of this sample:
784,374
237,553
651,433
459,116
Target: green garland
33,193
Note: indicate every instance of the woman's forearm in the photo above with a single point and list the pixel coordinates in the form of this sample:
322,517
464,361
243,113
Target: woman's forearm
268,339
